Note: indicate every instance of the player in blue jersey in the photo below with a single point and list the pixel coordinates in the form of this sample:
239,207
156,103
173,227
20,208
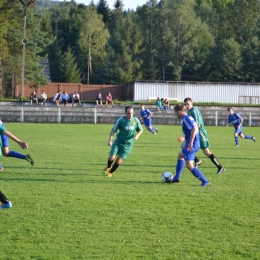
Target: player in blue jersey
237,121
146,115
5,202
130,129
14,154
192,145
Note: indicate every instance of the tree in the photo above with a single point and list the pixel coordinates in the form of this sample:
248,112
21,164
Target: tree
38,40
124,49
148,22
103,9
93,40
226,61
68,68
119,5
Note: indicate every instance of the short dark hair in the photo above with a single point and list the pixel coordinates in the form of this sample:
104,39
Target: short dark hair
187,99
229,108
127,107
179,107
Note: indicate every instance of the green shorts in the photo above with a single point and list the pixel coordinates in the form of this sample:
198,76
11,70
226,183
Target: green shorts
121,148
204,141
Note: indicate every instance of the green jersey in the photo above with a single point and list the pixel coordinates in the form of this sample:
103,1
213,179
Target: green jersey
195,113
2,130
127,128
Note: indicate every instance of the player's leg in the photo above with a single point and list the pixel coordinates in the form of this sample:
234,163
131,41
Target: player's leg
5,202
236,138
204,145
247,136
214,160
148,126
179,168
189,157
112,156
14,154
197,162
155,130
123,151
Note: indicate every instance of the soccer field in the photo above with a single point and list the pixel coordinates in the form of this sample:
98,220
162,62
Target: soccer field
64,207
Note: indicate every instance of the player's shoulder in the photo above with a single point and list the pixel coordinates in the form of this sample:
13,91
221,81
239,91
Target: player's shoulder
136,119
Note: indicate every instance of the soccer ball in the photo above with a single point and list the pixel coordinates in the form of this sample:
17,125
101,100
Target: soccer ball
166,176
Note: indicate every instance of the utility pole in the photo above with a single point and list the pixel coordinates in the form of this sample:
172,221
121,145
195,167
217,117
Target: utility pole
24,41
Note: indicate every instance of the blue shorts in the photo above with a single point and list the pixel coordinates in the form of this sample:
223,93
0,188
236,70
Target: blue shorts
238,130
4,140
189,155
148,122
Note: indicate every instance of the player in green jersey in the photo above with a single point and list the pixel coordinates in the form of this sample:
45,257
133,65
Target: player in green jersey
127,125
204,141
5,202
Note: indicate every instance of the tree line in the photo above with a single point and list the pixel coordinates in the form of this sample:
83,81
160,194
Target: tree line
170,40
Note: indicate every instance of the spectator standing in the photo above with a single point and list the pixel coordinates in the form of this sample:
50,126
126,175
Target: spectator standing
109,99
64,98
76,98
43,97
99,99
56,98
33,98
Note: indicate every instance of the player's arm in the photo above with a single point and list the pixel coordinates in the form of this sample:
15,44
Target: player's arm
181,139
150,115
22,144
138,134
194,130
241,121
111,136
139,130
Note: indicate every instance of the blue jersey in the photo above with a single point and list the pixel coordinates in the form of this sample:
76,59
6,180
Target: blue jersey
145,113
188,124
235,119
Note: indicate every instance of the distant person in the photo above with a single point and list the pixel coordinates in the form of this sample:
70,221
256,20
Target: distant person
56,98
166,105
237,121
33,98
99,99
109,99
146,116
43,97
130,129
76,98
192,145
64,98
158,104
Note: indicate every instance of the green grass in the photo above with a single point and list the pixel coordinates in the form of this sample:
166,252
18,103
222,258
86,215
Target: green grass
65,208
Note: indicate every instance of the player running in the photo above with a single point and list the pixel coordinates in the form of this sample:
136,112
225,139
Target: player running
204,141
146,115
237,121
130,129
15,154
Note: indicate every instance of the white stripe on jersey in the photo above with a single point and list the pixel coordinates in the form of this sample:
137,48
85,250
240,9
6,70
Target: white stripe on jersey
187,124
117,123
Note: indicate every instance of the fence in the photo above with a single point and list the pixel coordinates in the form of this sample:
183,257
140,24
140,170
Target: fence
215,116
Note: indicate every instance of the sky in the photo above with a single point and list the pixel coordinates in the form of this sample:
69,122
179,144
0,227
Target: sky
128,4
